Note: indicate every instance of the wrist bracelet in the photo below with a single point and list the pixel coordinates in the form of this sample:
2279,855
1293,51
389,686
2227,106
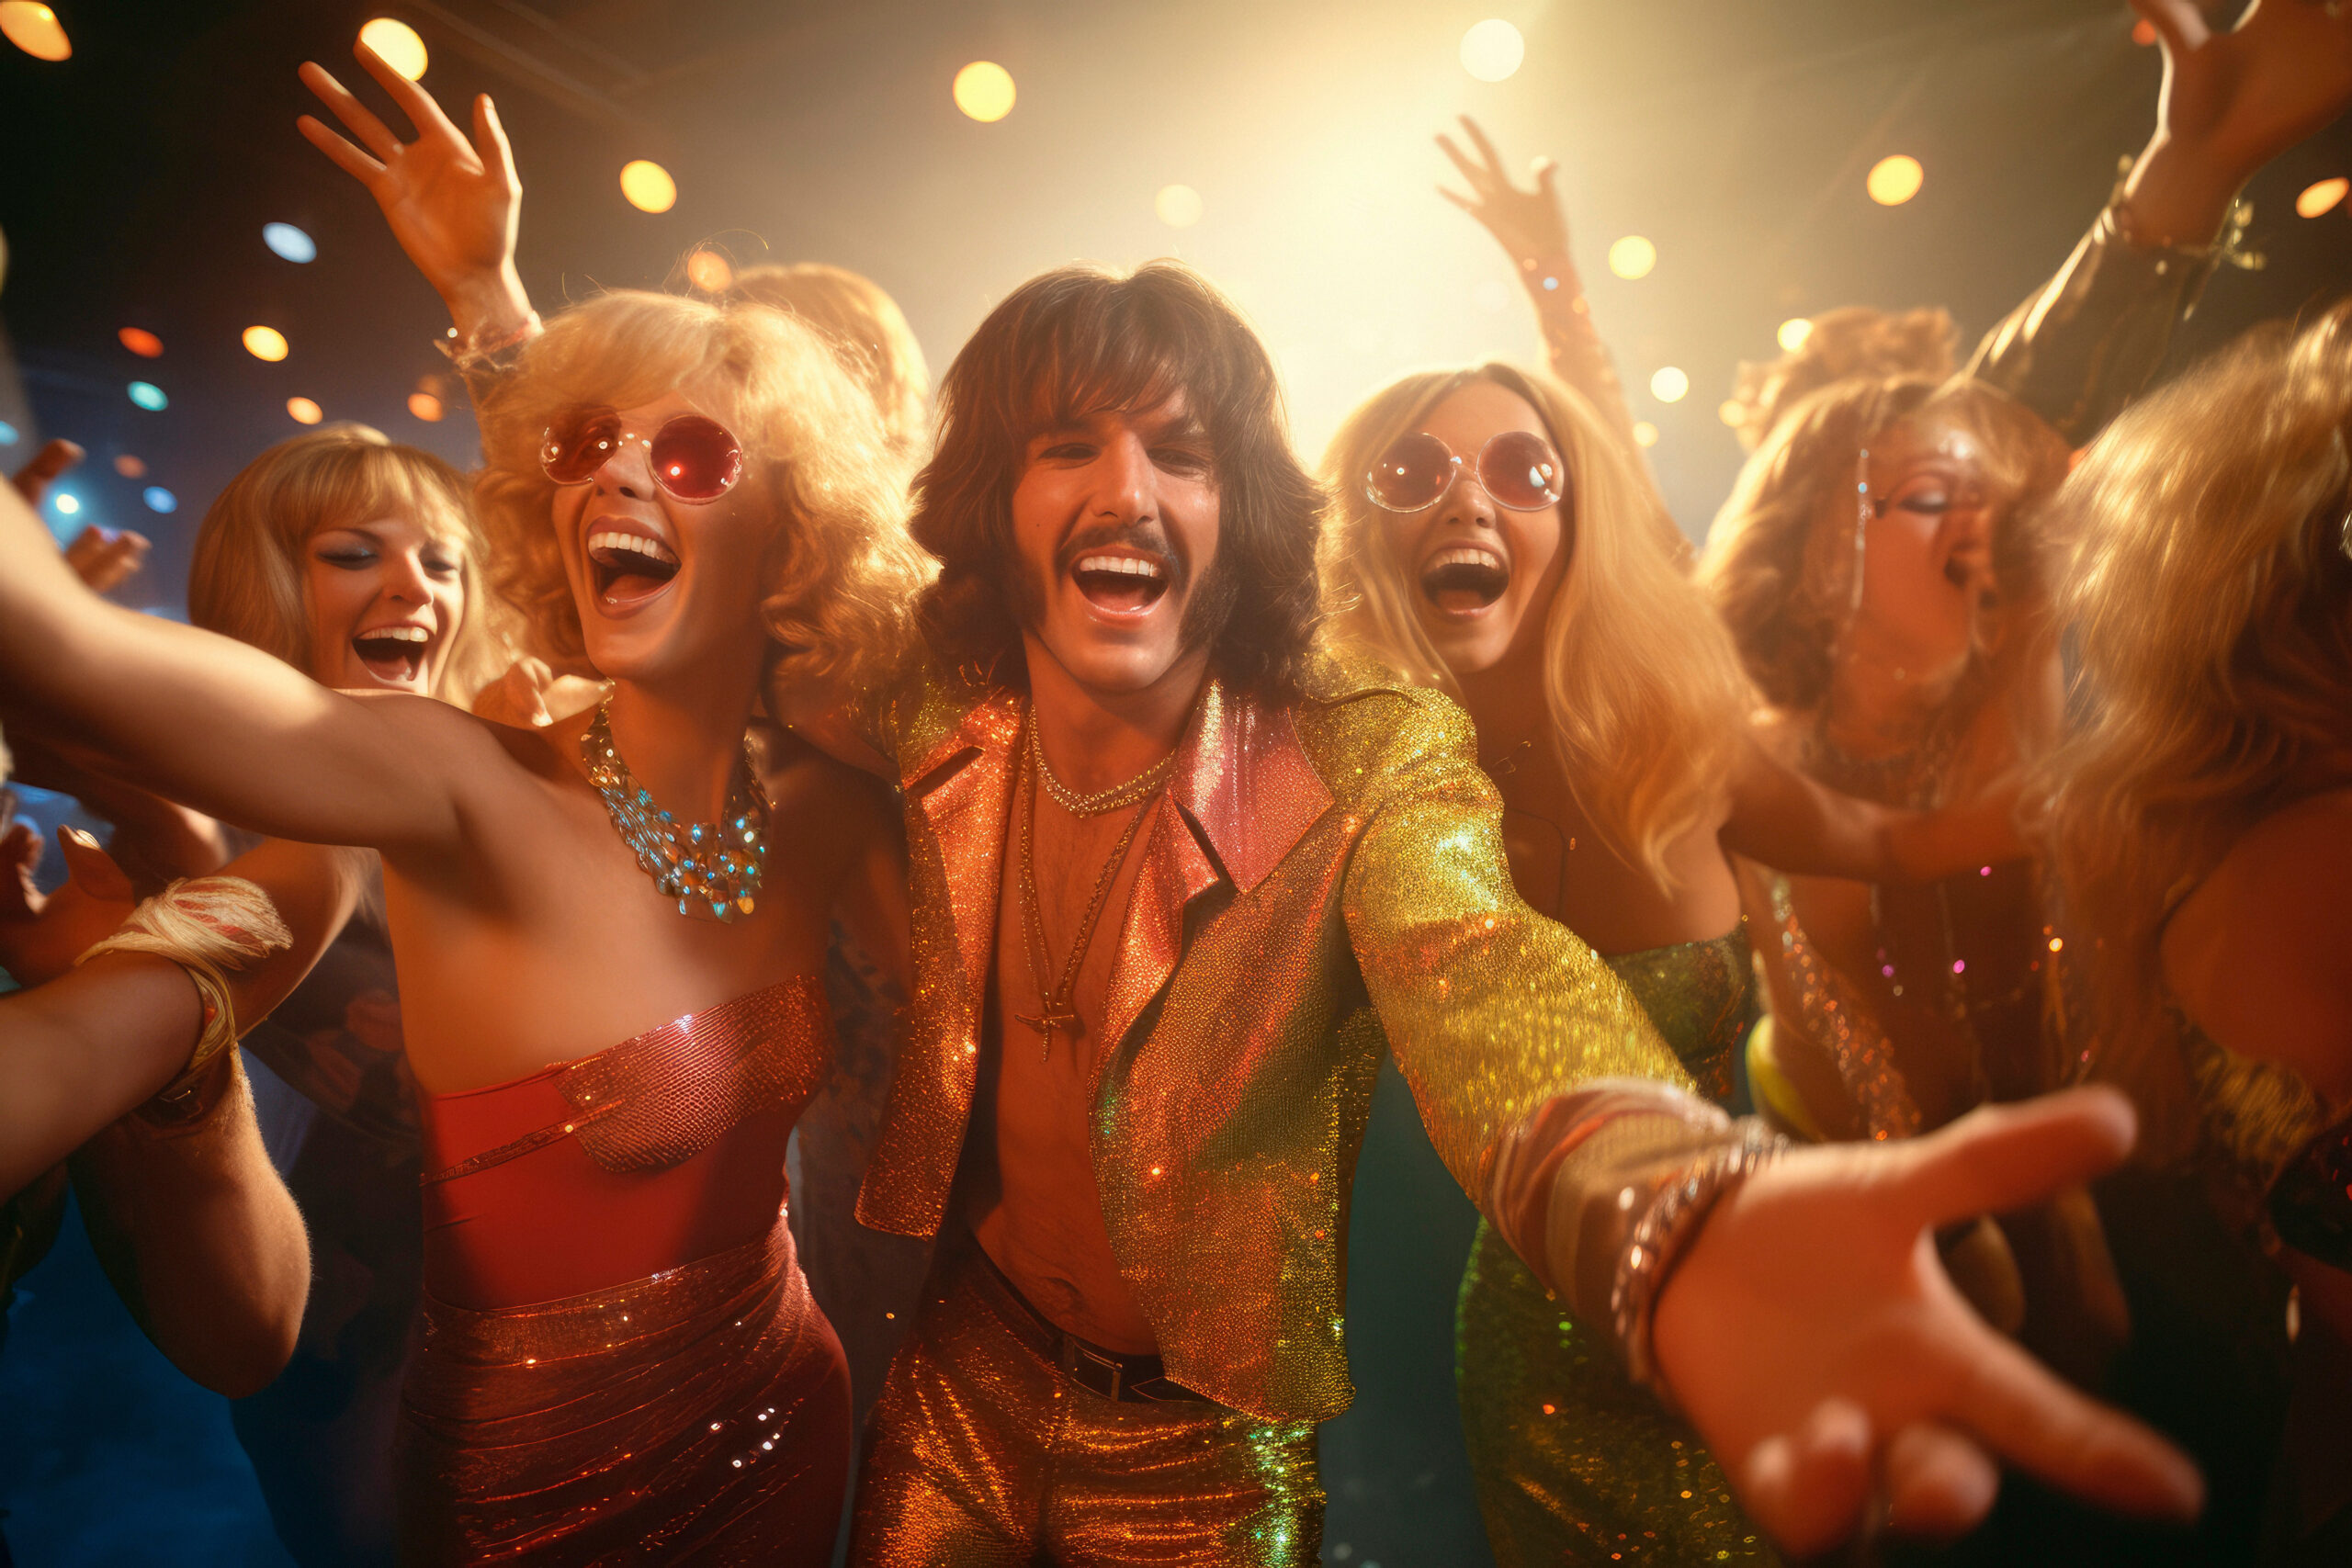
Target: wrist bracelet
207,926
479,347
1665,1232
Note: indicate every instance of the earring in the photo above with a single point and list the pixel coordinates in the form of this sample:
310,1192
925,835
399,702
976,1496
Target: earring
1862,528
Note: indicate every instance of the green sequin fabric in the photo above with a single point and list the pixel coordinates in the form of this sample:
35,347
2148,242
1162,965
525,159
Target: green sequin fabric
1575,1464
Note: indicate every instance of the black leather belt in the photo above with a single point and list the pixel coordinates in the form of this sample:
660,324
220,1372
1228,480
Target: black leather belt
1129,1379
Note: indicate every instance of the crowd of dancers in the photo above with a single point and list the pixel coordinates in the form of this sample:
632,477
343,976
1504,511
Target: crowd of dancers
1055,800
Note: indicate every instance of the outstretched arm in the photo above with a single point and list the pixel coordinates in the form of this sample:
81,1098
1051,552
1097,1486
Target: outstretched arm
1782,818
222,726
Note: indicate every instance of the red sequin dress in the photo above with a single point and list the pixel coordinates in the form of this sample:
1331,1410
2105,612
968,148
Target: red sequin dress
617,1359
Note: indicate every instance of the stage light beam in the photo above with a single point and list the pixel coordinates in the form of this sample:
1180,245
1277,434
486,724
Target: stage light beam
399,46
35,29
288,242
266,343
2321,197
1670,385
1493,51
1793,333
983,91
1894,179
141,342
1179,206
647,186
303,410
1631,257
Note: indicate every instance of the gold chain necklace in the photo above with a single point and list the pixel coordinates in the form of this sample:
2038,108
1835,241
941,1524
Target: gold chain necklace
1140,787
1056,1004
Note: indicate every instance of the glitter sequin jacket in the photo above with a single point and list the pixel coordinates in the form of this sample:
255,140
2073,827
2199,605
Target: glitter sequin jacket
1312,877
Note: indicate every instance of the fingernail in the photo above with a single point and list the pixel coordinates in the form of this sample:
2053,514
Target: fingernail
79,839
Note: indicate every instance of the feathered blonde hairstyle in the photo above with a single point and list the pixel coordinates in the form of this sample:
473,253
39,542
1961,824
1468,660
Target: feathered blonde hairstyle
245,577
1854,340
868,330
1778,563
1644,693
2201,549
843,569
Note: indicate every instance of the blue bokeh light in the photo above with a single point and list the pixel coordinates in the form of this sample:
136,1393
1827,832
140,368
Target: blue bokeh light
289,241
148,396
66,503
158,499
7,433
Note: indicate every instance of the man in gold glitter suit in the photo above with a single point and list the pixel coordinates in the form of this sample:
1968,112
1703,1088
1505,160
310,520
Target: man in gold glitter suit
1137,1147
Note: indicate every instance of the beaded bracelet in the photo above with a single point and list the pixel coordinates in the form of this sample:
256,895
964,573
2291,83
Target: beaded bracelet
1665,1232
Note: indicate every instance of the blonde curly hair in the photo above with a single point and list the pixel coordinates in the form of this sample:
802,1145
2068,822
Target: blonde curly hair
845,569
1854,340
1645,691
2202,550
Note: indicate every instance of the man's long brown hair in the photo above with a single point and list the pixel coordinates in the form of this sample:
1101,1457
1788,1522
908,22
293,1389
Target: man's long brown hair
1082,339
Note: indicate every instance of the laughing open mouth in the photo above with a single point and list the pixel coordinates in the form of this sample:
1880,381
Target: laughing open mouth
1123,584
1464,579
394,655
629,567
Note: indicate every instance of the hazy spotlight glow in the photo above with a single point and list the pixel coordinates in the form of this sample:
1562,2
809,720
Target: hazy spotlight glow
983,91
709,271
68,503
158,499
425,406
1896,179
1631,257
1669,385
1793,333
34,29
1644,433
141,342
128,466
304,411
286,240
2321,197
1731,412
647,186
1179,206
148,396
1492,51
266,343
398,44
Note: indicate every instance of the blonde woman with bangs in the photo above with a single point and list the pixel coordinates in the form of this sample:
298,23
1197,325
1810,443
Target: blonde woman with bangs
2201,820
1490,538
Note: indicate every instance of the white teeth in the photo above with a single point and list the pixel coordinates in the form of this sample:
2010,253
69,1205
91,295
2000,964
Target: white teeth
1131,566
653,549
396,634
1465,555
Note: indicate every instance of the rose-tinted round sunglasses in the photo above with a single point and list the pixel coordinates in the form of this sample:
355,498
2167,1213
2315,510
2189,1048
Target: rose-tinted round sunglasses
1517,468
694,458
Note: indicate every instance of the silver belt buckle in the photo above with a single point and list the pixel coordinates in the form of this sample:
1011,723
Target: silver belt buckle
1083,1367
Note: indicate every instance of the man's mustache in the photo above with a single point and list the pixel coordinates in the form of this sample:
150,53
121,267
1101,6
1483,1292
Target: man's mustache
1148,538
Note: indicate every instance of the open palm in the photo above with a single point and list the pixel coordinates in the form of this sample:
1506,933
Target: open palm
1527,223
2248,95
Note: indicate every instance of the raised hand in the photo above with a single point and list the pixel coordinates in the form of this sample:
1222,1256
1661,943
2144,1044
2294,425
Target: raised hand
1818,1345
40,936
32,480
454,205
107,557
1527,223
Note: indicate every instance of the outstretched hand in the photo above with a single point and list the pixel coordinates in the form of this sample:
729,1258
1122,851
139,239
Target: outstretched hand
453,204
1527,223
1815,1340
42,935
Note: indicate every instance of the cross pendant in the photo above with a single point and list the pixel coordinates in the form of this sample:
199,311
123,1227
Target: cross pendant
1048,1019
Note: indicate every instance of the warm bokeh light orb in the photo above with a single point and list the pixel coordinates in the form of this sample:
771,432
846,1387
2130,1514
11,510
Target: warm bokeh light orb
709,271
1896,179
35,29
1179,206
2144,32
983,91
158,499
1731,412
141,342
2321,197
148,396
647,186
1492,51
1644,433
398,44
1669,385
1793,332
266,343
425,406
286,240
128,466
303,410
1631,257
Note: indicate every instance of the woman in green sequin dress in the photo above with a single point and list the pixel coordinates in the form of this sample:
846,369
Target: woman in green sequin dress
1521,585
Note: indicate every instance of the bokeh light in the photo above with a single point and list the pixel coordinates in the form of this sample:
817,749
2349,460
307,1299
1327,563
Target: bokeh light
647,186
148,396
141,342
2321,197
1631,257
983,91
1669,385
1492,50
7,433
158,499
398,44
290,242
129,467
34,29
66,503
709,271
1793,332
1644,433
304,411
1731,412
2144,32
266,343
1179,206
1896,179
425,406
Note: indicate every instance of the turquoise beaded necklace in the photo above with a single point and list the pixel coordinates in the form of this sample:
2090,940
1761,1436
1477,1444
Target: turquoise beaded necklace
705,867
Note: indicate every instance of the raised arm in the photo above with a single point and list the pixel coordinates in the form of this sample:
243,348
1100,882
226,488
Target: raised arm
1782,818
224,728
